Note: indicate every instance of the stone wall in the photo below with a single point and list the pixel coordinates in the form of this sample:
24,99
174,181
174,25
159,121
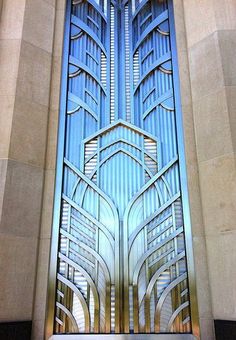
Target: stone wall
31,42
211,47
26,41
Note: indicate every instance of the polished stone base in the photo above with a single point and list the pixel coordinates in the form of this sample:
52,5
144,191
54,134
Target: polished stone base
225,330
125,337
15,330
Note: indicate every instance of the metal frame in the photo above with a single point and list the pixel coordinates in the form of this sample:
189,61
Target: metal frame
184,179
58,192
126,337
59,178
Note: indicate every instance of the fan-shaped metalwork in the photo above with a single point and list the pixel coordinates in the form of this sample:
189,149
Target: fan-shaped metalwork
122,253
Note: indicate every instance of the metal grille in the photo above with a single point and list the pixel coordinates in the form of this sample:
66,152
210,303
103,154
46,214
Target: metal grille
121,255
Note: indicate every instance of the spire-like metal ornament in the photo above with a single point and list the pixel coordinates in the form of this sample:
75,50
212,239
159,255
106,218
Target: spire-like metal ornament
119,245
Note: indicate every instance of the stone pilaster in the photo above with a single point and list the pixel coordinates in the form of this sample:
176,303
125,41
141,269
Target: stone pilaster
197,224
26,38
210,32
40,303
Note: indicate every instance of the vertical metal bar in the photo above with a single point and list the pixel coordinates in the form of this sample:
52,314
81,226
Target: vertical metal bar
108,65
59,178
183,177
117,57
112,75
130,4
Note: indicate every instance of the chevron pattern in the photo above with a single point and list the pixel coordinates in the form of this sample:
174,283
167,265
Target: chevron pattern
121,256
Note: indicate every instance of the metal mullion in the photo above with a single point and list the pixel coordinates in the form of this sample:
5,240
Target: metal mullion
100,90
116,61
122,114
118,243
112,63
140,74
68,242
67,292
97,230
183,178
157,93
116,278
176,298
147,313
108,65
121,60
131,63
84,75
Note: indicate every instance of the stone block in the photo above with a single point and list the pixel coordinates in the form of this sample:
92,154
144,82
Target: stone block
12,17
9,62
29,132
48,200
225,13
207,329
218,191
180,29
42,280
231,103
184,78
212,126
59,29
222,272
39,24
3,172
227,45
192,172
17,265
202,277
34,75
205,67
38,329
60,5
51,2
199,19
52,140
21,209
56,83
7,108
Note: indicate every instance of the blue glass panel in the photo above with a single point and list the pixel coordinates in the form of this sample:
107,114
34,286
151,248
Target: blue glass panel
121,256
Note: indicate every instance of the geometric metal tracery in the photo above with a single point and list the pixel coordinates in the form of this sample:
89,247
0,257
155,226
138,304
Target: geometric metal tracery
122,253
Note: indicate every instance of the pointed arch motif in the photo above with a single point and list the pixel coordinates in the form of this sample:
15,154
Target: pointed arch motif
121,257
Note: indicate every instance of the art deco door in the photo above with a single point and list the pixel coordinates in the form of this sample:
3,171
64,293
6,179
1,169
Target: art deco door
119,233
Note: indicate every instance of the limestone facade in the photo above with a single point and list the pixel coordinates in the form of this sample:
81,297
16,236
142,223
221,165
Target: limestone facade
31,43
